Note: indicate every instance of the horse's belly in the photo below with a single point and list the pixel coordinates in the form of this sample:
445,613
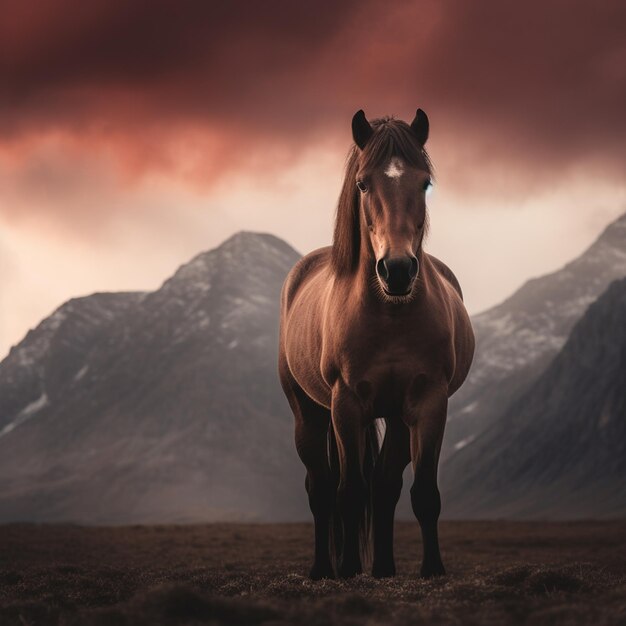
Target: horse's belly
309,377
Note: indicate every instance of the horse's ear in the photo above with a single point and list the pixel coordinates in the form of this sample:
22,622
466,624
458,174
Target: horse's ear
420,126
361,129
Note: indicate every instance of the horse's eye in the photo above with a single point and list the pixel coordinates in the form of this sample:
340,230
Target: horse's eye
361,185
427,185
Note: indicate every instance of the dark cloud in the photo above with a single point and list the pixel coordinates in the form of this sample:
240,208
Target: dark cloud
552,73
537,84
206,61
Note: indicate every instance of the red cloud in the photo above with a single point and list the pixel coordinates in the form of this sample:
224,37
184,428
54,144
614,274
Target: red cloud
539,86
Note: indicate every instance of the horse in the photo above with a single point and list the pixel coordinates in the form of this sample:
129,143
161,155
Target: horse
374,339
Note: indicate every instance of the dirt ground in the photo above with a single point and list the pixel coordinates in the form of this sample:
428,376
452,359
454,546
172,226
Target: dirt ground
498,573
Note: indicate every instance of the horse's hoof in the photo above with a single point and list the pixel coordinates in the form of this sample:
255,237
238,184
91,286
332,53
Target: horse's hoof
319,572
430,571
383,570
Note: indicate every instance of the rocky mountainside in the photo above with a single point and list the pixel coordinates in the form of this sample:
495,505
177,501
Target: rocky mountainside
559,450
516,339
166,407
161,406
50,358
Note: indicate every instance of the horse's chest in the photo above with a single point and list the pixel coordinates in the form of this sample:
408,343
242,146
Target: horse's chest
385,371
378,363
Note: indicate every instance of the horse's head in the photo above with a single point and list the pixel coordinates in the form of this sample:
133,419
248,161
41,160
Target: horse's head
392,174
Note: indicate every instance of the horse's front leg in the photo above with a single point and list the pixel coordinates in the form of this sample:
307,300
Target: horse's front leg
426,421
349,424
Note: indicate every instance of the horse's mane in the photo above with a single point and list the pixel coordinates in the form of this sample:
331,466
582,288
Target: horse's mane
391,138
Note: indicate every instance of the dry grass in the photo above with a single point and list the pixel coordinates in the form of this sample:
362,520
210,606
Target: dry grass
499,573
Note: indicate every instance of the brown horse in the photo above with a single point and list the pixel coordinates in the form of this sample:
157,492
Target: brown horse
373,327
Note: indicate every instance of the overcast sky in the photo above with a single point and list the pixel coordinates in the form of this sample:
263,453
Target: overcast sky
135,134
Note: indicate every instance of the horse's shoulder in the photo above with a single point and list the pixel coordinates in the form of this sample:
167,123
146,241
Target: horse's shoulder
447,273
301,270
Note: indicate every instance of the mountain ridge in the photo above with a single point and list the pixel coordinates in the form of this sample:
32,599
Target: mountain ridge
164,406
516,339
126,444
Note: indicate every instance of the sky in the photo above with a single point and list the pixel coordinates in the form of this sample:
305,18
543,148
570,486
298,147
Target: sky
134,135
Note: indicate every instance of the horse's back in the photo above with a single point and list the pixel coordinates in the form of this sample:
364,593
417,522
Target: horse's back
300,272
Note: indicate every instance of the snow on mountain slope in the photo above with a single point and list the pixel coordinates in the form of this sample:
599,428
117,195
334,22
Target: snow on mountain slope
51,356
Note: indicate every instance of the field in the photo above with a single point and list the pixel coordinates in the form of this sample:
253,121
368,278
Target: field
498,573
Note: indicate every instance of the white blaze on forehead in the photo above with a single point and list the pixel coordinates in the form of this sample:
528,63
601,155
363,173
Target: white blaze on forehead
395,169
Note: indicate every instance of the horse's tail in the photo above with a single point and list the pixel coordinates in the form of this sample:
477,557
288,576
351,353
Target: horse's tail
372,449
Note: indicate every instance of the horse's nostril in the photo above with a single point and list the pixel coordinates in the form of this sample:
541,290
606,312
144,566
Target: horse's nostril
398,273
381,269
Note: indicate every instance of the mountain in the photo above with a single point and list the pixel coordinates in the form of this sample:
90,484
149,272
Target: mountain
161,406
165,406
516,340
559,450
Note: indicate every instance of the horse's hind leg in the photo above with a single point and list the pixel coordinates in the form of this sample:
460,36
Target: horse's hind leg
426,427
311,432
395,455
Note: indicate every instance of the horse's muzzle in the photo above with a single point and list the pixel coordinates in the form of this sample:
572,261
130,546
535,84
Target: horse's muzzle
397,274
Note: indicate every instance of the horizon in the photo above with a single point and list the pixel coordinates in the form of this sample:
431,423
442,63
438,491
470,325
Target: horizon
244,231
